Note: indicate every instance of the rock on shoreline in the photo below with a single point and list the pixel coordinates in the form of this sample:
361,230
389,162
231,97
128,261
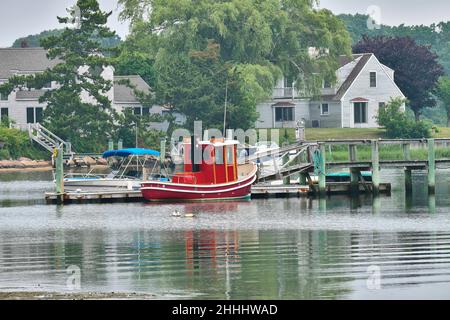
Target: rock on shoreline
24,163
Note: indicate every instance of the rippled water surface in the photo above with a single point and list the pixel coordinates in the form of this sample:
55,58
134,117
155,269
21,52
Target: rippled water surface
336,248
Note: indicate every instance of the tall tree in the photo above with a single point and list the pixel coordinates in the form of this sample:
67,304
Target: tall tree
79,110
443,93
207,52
435,35
416,67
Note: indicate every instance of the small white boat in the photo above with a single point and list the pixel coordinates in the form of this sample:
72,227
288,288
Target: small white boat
131,172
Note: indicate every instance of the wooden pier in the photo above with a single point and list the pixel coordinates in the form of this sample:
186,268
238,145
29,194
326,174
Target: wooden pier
310,159
114,195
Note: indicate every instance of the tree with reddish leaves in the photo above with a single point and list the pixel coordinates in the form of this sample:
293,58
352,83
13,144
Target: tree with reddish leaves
416,67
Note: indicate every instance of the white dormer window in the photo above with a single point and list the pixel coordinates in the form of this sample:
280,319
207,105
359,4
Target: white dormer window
326,84
373,79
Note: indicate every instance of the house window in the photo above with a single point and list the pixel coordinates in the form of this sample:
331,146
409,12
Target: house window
360,109
4,113
141,111
34,115
48,85
381,105
3,97
324,109
373,79
326,84
284,114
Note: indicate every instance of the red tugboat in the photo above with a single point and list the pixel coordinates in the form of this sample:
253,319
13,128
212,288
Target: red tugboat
214,175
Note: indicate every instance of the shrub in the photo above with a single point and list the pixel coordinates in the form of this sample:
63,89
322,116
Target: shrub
17,144
397,123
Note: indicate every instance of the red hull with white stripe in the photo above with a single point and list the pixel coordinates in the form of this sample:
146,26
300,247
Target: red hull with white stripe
168,191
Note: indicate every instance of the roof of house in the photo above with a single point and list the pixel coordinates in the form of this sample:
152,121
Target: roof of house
124,93
361,61
23,60
31,60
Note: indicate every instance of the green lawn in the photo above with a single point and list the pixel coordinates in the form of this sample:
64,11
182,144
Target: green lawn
442,133
315,134
343,133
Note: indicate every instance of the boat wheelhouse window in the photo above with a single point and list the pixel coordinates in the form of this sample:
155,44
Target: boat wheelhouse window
230,157
284,114
360,110
219,155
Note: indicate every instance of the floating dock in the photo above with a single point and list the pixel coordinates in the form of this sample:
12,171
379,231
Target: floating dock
114,195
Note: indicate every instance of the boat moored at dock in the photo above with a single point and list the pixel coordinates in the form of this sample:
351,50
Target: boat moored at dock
211,172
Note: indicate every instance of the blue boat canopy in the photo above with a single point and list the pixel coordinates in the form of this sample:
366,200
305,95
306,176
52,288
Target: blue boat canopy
131,152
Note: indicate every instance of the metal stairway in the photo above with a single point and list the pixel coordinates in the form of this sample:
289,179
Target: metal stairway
49,141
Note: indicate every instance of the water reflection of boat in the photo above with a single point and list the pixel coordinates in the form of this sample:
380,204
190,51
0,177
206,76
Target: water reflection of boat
128,172
216,175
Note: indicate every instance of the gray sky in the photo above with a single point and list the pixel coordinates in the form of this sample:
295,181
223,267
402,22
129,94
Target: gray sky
395,12
19,18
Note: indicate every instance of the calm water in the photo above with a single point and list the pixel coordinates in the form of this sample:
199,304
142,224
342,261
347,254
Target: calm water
260,249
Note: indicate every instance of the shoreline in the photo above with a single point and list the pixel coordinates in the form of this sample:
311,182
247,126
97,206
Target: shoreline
43,295
26,169
25,164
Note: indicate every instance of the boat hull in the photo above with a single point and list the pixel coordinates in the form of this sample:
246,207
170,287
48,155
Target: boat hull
167,191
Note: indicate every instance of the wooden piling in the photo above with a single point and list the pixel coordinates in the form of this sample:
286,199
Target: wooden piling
303,179
110,144
406,151
59,173
286,180
354,172
375,168
431,167
408,180
322,174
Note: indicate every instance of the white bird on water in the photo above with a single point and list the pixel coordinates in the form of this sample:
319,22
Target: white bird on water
176,213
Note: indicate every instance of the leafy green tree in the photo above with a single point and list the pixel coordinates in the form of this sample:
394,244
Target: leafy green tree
87,123
443,93
135,63
210,52
398,125
437,36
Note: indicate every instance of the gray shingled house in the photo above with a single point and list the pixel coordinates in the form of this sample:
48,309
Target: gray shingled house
23,107
363,85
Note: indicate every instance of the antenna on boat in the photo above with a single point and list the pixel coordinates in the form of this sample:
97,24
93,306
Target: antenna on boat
225,113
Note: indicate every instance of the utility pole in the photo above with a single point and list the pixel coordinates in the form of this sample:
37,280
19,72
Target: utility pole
136,134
